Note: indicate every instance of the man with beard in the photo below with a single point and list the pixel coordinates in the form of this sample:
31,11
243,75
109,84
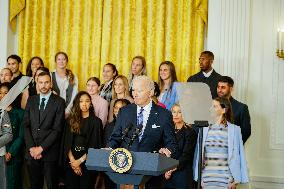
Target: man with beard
207,74
43,123
13,63
240,110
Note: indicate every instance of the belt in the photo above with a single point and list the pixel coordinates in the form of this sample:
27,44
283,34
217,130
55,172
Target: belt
79,148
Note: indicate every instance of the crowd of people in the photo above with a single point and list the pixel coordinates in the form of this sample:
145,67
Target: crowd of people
47,130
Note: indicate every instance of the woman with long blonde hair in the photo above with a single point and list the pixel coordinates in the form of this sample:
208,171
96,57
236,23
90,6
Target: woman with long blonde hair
120,90
138,67
181,177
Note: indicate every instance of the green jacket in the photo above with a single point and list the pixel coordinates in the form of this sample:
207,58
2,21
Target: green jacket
15,147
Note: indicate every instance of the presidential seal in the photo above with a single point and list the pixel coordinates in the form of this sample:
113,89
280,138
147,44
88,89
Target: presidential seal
120,160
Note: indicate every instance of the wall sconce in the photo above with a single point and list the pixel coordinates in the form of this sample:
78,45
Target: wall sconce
280,43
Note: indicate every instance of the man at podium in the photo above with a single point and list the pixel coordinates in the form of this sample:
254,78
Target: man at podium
144,126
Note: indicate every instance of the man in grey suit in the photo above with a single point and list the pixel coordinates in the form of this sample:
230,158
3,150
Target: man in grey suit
43,122
240,110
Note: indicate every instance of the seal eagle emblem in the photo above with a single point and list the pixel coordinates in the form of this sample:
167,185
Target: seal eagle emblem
120,160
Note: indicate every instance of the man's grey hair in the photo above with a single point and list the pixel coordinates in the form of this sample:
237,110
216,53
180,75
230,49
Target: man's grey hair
148,81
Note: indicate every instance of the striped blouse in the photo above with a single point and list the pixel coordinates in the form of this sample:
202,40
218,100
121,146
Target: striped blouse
216,172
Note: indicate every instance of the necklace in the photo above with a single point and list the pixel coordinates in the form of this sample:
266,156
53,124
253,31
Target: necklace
177,130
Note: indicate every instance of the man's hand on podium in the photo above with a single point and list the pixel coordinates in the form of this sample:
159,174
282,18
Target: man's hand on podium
165,151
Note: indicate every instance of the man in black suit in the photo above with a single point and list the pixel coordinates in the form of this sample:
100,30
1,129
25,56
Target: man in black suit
154,123
207,74
240,110
43,122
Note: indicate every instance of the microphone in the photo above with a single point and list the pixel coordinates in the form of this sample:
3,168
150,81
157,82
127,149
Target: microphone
126,131
135,134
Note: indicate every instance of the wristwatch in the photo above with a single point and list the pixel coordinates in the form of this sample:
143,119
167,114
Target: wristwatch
81,159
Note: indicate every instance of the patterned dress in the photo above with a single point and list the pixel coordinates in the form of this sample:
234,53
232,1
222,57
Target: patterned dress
216,173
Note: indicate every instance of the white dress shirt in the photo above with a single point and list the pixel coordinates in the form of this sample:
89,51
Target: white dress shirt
146,114
207,74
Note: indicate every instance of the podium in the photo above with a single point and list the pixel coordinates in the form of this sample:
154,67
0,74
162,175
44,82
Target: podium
145,165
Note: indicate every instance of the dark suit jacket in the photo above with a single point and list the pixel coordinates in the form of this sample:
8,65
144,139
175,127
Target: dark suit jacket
211,81
153,138
108,129
47,131
186,138
241,118
91,133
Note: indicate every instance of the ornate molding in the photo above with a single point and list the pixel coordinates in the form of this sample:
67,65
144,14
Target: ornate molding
277,84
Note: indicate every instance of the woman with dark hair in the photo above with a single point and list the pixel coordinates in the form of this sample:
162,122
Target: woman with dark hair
224,163
34,63
167,78
138,67
64,82
181,177
156,95
83,131
32,89
118,103
109,73
100,105
14,156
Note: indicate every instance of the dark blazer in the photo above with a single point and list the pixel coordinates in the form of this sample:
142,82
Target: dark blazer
92,130
108,129
241,118
186,138
47,131
211,81
158,133
17,102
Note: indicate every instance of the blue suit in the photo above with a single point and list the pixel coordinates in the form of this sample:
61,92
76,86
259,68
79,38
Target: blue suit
236,158
153,138
158,133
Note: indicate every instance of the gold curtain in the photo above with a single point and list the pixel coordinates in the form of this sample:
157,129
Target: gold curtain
93,33
16,6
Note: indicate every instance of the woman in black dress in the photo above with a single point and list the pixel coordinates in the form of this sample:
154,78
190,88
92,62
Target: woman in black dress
83,131
181,177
